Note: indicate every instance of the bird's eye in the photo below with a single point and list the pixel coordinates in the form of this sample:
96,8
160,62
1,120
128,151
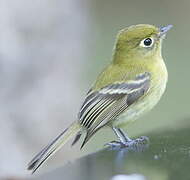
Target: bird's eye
147,42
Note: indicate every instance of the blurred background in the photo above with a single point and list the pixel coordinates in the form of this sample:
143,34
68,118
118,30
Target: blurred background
51,52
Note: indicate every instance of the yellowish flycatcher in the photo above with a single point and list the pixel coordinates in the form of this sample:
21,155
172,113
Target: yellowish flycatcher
129,86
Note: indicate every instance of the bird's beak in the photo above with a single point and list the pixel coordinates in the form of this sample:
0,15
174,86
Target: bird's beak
163,30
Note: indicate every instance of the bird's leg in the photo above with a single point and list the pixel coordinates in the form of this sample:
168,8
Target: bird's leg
121,135
125,141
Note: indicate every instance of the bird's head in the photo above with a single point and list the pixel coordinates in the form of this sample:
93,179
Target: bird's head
139,42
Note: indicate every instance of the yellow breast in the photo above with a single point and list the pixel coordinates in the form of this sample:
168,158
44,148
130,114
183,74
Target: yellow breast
146,103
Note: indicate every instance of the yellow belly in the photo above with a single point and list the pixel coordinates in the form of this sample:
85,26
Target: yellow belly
144,104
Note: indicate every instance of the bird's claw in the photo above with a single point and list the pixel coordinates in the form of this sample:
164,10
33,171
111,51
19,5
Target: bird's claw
114,144
136,143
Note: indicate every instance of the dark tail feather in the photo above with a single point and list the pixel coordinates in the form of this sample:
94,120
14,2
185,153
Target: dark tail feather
77,137
54,146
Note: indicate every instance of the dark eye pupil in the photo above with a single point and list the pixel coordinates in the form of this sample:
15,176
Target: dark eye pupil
147,42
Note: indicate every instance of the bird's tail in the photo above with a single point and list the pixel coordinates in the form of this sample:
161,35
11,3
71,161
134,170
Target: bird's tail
54,146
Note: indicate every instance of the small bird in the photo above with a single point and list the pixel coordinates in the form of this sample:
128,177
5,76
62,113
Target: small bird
128,87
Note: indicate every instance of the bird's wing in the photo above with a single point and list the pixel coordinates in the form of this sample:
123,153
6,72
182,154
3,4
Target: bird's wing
101,107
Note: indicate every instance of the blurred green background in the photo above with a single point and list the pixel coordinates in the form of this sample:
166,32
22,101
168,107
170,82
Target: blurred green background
50,54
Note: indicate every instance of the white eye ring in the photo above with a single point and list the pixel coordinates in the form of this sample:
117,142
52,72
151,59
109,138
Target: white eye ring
147,42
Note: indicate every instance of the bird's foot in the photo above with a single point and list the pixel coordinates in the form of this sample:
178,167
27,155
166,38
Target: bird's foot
131,144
